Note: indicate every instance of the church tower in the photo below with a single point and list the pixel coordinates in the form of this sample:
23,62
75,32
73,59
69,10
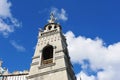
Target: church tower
51,59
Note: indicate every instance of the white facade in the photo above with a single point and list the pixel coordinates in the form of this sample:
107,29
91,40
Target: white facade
51,59
14,77
5,75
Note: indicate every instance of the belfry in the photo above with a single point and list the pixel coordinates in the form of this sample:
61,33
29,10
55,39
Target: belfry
51,59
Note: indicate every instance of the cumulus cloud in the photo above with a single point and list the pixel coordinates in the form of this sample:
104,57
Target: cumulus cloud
60,14
17,46
83,76
98,62
7,22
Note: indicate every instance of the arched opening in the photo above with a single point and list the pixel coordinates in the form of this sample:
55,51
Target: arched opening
47,54
55,26
49,27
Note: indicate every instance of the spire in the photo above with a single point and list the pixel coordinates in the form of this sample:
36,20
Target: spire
52,18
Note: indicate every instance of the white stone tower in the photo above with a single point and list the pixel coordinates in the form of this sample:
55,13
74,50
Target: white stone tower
51,60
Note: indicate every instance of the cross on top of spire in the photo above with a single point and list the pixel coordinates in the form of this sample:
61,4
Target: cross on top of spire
52,18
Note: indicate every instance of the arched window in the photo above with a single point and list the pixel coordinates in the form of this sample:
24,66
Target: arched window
49,27
47,54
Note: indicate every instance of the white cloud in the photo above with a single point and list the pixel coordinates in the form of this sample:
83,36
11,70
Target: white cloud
5,8
7,22
17,46
99,56
83,76
60,14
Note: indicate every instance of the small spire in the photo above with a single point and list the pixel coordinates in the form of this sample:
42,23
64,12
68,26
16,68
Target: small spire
52,18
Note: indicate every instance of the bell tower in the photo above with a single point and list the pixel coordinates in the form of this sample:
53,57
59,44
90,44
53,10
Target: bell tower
51,59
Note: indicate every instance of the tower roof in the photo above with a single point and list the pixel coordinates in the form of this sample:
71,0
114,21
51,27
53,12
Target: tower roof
52,21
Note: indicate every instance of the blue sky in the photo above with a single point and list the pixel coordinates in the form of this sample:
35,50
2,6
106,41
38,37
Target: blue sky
94,23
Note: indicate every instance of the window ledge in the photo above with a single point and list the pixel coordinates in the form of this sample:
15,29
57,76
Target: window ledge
46,65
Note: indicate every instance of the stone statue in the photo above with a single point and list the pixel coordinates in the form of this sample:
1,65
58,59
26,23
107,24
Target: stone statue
52,18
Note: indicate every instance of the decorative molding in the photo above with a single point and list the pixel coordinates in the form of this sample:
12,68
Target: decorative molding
59,57
35,63
58,51
35,57
45,34
46,65
47,72
14,74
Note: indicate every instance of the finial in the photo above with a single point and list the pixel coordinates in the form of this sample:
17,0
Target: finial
52,18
